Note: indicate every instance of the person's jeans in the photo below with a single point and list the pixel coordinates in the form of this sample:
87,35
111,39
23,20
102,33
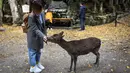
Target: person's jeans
34,56
82,23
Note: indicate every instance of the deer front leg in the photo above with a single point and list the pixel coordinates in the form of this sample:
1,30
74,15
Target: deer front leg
97,58
72,60
75,62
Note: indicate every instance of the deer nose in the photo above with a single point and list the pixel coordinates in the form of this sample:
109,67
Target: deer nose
48,38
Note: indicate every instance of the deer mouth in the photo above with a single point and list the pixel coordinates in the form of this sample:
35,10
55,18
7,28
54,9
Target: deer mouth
49,39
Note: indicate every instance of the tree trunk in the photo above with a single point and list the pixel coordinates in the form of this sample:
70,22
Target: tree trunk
117,2
1,13
95,7
111,3
101,8
14,11
20,11
1,17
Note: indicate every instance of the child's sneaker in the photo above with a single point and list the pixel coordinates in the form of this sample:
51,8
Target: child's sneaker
35,69
40,66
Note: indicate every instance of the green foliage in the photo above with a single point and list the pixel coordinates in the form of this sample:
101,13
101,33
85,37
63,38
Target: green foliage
1,3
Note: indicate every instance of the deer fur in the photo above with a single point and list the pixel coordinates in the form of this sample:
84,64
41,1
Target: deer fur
77,47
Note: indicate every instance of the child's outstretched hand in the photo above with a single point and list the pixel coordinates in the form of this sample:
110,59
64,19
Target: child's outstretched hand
45,39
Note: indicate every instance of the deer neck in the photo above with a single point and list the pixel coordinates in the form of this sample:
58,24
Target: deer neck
64,44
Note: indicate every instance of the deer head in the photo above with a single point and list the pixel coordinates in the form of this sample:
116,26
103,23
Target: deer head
56,37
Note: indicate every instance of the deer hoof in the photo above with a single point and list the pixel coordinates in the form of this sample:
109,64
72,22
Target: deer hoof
96,64
69,71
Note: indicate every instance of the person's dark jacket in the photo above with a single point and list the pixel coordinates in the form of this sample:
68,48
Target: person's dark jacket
82,12
36,32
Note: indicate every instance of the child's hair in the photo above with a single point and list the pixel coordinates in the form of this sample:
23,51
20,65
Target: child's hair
48,10
36,5
83,3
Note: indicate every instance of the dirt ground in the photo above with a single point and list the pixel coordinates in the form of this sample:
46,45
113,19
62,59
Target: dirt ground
115,50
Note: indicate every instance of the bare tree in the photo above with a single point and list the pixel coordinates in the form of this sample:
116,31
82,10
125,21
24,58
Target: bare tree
14,11
1,16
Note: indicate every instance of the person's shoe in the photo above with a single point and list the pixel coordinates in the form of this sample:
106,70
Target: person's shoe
35,69
2,29
50,28
81,30
39,65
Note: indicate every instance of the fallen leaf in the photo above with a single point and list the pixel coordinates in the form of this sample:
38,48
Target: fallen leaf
15,64
26,63
114,59
121,60
109,65
129,52
89,65
128,67
125,60
112,70
8,66
125,70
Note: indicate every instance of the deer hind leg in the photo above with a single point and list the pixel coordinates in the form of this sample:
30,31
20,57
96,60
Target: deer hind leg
97,57
75,62
72,60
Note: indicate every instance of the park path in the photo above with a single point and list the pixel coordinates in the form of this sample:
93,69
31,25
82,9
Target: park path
115,51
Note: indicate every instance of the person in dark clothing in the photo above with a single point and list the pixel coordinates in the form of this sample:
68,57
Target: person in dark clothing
116,14
82,13
36,34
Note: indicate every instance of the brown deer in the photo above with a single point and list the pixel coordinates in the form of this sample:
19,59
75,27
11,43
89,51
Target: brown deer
77,47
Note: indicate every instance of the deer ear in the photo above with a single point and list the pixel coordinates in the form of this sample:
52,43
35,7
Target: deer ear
61,33
63,36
